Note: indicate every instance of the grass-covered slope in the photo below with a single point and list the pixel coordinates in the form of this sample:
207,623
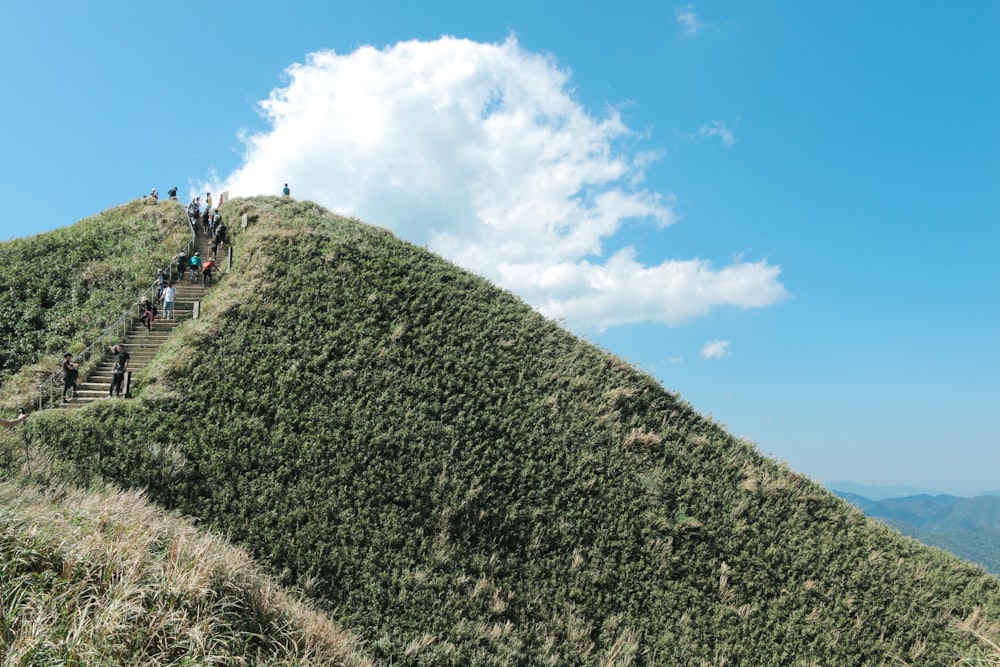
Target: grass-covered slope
59,289
102,578
460,481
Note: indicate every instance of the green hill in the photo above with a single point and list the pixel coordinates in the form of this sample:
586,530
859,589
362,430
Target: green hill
457,480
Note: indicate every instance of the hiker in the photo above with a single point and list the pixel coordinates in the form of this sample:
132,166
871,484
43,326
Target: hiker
148,313
172,193
221,232
195,266
153,195
206,271
118,372
161,284
70,373
11,423
194,212
169,296
285,191
182,262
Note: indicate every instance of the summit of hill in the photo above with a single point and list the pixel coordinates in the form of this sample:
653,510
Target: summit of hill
455,479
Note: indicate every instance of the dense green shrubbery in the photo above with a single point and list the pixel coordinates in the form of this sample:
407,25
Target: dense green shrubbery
461,481
59,289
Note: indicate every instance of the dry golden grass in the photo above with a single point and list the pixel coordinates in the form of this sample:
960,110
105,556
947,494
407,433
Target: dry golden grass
103,577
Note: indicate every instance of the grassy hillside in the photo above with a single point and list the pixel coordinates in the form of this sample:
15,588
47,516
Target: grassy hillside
58,290
102,578
460,481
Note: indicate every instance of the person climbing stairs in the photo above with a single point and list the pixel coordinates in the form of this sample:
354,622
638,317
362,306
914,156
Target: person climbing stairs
142,344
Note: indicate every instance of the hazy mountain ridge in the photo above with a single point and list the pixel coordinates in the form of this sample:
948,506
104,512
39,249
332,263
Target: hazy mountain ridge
968,527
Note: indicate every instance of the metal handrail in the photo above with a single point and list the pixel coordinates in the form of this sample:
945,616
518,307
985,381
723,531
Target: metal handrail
124,323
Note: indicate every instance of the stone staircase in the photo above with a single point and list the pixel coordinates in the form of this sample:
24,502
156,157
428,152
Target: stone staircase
142,344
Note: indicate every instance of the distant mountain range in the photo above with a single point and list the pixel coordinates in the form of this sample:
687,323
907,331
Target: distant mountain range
896,491
967,527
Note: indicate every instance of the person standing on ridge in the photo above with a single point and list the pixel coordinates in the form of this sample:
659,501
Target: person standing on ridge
172,193
285,191
70,373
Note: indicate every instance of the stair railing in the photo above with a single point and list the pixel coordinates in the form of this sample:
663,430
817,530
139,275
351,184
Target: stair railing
49,388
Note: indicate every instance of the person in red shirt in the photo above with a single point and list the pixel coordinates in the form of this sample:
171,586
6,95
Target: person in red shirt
207,269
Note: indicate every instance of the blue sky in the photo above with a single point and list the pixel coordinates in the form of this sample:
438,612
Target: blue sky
785,211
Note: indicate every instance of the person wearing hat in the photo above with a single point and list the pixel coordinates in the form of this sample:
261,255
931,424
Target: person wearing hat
147,313
195,266
70,372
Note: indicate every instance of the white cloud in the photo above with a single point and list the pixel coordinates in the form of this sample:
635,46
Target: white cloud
688,20
715,349
480,152
717,129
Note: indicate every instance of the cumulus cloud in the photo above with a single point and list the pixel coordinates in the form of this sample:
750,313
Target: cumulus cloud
687,19
715,349
480,152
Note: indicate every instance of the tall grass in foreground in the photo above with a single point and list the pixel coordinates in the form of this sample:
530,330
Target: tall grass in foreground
103,578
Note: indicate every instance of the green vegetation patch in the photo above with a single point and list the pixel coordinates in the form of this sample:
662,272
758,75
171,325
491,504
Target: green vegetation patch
460,481
60,289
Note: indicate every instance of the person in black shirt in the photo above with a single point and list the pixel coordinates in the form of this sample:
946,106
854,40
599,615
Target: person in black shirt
118,372
70,373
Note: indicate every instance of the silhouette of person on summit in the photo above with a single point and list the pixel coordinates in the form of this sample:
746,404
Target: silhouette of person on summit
285,191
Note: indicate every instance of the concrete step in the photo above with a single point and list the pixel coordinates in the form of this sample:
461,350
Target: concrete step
143,344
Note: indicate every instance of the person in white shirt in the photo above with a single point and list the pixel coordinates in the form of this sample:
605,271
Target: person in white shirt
168,297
